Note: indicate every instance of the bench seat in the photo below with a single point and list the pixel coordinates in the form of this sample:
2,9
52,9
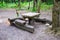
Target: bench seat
21,24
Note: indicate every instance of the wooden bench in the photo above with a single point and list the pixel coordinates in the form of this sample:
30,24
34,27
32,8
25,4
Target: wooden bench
43,20
11,20
22,25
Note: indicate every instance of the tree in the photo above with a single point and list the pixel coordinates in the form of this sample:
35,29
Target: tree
34,5
39,4
43,0
29,4
56,16
19,3
15,1
2,2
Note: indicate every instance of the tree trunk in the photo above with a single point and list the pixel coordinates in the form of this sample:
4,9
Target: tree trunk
56,16
34,4
15,1
43,0
29,5
2,2
19,3
39,4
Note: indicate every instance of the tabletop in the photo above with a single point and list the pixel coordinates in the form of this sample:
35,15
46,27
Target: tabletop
30,14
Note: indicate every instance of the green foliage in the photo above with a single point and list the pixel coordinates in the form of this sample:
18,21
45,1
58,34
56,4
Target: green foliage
24,5
49,2
34,9
44,6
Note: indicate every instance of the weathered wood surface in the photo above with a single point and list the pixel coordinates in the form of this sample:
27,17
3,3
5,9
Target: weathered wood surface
44,20
21,24
29,14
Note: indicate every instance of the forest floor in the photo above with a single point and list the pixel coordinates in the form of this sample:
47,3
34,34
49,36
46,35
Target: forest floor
12,33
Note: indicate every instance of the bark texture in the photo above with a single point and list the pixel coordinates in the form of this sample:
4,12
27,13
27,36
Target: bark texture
56,16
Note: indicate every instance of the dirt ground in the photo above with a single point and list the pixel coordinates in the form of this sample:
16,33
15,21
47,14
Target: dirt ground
12,33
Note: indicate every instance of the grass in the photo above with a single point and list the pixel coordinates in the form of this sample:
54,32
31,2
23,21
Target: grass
45,6
8,5
24,5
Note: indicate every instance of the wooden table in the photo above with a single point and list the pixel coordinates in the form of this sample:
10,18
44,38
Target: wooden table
30,16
